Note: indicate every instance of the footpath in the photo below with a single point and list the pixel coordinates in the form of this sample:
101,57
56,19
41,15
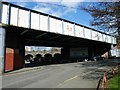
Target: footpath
27,69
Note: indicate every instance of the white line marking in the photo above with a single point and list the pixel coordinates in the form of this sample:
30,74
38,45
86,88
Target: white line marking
66,81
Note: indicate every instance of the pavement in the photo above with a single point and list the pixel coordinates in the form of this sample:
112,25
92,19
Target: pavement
26,69
71,75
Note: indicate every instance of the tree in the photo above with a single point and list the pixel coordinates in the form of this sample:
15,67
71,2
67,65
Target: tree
106,16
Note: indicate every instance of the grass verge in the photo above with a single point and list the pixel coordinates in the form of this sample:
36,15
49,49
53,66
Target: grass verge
114,83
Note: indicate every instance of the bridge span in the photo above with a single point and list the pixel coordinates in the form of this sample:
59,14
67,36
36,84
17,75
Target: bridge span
21,26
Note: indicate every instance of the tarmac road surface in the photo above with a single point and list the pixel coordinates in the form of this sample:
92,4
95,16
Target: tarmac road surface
70,75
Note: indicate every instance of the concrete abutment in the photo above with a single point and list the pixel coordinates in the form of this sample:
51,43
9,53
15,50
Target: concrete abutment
2,48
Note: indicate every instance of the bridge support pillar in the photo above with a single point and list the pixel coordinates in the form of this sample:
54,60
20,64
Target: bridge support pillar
15,51
65,52
2,48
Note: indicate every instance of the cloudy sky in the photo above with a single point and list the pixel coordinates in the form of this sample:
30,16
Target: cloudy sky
66,9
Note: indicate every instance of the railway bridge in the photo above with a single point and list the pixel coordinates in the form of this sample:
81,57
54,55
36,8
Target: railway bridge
22,27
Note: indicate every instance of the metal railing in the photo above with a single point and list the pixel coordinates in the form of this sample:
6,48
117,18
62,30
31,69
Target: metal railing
106,76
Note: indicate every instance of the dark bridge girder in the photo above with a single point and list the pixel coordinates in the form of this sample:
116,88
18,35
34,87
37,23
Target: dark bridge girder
41,38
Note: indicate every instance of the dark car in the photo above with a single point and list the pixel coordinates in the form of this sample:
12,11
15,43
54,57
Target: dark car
38,59
57,58
47,58
97,58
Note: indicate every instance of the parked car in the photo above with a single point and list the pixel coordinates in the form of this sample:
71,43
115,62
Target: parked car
97,58
47,58
57,58
38,59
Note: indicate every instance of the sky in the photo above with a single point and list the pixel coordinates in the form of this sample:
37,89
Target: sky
65,9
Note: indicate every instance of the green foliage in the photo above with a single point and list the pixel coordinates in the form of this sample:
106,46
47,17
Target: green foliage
4,25
115,82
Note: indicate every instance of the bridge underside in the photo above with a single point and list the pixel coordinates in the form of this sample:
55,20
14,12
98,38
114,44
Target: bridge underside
41,38
17,38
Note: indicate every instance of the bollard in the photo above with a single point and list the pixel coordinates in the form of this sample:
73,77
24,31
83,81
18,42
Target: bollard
105,76
113,71
102,86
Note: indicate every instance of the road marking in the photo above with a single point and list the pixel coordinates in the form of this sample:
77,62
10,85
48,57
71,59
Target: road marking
67,81
83,74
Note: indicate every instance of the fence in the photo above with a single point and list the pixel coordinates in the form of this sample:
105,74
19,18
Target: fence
107,75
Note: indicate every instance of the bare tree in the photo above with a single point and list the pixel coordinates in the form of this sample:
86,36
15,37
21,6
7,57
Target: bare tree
106,16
